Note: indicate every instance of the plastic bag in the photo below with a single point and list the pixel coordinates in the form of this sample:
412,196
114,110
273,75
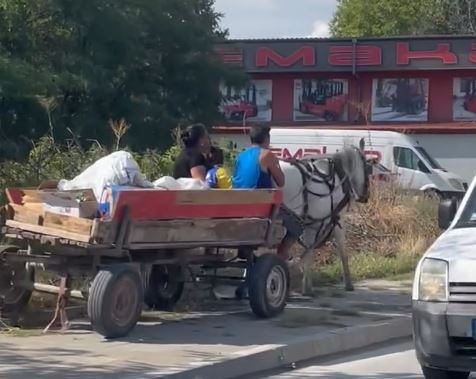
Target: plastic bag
118,168
171,184
167,183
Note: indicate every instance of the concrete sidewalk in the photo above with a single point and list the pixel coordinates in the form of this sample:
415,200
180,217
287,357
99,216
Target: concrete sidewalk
216,344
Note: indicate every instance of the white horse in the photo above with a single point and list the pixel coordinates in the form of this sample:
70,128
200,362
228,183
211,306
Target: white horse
317,189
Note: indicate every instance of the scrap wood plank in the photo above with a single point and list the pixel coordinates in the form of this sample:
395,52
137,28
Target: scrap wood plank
37,207
49,231
26,215
68,223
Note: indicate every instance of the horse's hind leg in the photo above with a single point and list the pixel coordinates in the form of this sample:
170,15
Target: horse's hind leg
339,236
306,262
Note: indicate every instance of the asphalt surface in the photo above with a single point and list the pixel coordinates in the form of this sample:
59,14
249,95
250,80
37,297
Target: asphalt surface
395,361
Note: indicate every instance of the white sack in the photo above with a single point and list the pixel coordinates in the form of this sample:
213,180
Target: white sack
192,184
118,168
169,183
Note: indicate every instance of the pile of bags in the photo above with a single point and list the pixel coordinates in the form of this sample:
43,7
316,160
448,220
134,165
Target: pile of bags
120,169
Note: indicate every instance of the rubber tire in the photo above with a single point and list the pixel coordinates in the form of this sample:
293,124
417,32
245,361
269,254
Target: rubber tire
154,299
100,297
24,299
257,285
433,373
433,193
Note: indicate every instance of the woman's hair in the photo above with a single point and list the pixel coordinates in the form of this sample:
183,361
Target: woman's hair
193,134
216,156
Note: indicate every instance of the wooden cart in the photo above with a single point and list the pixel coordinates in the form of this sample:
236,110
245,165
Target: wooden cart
143,251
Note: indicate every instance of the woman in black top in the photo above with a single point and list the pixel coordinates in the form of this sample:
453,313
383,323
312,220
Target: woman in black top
191,162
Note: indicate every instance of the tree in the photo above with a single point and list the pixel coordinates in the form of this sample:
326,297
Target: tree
369,18
461,16
68,65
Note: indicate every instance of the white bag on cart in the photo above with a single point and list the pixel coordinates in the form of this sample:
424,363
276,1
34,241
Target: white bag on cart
171,184
118,168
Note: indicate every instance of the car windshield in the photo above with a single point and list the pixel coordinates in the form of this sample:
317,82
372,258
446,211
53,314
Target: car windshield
431,161
468,216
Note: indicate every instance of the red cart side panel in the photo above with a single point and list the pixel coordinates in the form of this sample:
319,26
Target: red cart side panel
14,195
169,205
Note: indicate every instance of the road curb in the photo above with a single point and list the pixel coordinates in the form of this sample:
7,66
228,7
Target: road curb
319,345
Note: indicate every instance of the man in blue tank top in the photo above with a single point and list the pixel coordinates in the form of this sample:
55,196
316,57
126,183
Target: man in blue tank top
257,166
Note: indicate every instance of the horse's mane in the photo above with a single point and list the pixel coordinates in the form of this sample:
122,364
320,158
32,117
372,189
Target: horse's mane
346,158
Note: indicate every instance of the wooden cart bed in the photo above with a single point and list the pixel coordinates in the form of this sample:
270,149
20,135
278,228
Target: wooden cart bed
161,219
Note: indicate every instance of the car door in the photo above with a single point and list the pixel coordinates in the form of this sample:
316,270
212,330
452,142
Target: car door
413,173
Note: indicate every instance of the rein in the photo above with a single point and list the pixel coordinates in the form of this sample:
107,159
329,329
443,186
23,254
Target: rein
310,173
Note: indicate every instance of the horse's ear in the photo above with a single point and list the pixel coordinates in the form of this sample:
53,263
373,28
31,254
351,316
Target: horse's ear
362,144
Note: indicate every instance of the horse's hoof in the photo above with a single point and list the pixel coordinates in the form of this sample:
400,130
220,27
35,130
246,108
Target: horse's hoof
349,287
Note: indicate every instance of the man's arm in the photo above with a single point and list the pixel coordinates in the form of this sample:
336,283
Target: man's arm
198,166
270,162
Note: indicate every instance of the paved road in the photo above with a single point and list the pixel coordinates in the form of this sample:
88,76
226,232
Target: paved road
389,362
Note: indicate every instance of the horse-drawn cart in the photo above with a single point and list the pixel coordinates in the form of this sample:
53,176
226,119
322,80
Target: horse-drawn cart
142,252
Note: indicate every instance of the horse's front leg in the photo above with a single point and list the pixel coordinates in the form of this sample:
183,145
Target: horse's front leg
339,237
306,264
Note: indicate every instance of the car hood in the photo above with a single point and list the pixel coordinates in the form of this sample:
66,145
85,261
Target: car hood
458,248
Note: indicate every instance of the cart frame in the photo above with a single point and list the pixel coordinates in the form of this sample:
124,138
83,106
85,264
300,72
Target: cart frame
136,259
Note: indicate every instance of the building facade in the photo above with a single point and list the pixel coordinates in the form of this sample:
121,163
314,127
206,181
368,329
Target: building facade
420,85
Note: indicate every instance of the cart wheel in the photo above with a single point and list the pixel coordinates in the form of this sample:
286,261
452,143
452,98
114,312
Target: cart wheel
14,299
115,301
268,286
165,287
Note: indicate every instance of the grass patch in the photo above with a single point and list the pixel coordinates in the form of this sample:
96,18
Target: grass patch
368,266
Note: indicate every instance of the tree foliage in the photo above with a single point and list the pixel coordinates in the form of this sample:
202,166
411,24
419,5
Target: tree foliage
461,16
364,18
67,67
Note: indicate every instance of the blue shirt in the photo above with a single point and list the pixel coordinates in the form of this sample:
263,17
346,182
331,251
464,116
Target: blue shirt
248,172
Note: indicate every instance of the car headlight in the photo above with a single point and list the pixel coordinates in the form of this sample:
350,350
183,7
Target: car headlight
433,285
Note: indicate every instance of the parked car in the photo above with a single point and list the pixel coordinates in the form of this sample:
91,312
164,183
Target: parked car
444,294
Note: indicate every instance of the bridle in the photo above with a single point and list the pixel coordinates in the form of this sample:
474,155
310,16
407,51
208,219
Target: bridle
310,173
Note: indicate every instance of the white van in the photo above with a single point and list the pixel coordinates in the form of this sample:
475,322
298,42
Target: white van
414,167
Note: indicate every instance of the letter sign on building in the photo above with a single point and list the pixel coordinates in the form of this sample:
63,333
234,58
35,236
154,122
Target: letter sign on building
364,55
306,55
442,52
472,55
358,55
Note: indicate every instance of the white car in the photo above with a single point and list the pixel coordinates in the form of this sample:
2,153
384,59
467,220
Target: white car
444,294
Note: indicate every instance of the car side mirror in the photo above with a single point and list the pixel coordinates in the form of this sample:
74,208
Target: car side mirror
446,212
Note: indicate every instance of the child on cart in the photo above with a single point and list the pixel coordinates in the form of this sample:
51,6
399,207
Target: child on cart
217,176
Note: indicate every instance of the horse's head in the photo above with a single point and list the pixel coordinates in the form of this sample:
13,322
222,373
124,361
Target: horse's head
357,170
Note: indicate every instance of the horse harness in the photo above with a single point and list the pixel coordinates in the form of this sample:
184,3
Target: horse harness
309,172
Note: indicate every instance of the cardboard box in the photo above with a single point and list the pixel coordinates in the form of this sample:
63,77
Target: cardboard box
81,203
